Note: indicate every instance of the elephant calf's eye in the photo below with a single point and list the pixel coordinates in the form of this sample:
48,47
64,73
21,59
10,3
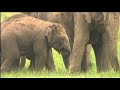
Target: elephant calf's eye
63,49
60,45
62,39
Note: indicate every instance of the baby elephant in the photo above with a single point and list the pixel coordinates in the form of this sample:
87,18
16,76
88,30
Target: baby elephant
30,36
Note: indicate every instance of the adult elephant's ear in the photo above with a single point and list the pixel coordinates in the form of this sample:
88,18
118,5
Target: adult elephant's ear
50,33
105,14
88,17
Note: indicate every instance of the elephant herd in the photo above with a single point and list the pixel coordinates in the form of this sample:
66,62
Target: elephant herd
32,35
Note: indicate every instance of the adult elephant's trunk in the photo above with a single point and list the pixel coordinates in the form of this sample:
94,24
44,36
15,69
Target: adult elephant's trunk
81,38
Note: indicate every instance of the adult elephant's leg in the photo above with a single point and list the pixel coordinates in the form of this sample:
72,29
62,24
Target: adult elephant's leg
112,47
112,30
107,48
102,53
50,62
1,59
81,37
114,58
40,53
86,62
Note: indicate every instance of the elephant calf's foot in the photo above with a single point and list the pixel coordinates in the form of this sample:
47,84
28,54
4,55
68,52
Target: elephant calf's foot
85,68
52,69
4,69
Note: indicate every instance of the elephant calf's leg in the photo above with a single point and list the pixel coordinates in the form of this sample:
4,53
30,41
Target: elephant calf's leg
50,62
11,56
6,67
39,62
9,64
15,64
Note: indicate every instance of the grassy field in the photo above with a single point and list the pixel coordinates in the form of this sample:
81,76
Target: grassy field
60,69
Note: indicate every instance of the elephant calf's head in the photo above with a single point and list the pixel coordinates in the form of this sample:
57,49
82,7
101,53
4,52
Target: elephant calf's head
58,39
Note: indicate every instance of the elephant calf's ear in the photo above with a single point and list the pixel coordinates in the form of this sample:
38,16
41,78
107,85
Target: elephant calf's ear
51,30
49,34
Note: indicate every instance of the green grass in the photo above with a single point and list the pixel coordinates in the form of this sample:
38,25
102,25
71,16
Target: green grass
5,15
60,68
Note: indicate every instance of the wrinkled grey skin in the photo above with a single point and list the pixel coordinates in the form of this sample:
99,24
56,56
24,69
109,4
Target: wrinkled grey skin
37,43
97,28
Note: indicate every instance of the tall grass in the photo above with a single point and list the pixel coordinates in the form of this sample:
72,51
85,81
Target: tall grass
60,68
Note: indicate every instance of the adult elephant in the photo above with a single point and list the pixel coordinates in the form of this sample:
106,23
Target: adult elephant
97,28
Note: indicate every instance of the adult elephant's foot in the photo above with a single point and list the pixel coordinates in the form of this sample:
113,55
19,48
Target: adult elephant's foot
74,66
74,69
